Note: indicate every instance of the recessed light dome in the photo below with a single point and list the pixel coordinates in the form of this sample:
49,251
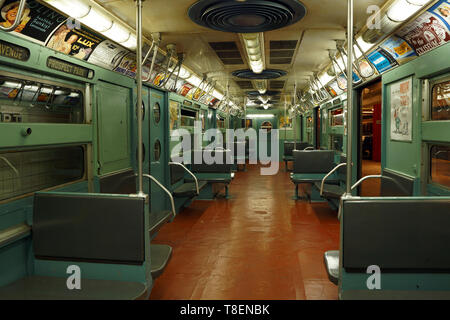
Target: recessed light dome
248,16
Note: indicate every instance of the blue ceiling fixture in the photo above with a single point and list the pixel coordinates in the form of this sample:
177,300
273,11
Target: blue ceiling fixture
249,16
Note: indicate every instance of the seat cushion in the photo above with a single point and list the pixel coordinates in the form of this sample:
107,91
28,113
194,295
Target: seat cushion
188,189
312,178
332,191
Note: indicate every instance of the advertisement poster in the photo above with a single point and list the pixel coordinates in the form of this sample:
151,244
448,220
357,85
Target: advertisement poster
174,114
382,60
401,110
108,55
331,91
77,42
442,11
399,49
366,69
285,122
185,88
334,86
38,21
426,33
342,82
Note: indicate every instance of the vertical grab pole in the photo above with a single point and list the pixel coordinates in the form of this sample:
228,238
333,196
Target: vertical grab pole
295,116
139,95
349,97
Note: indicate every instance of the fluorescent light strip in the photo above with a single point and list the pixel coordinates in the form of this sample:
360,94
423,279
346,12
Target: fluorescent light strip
253,46
260,116
98,19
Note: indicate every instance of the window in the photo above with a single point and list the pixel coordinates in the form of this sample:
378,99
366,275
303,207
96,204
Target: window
337,117
220,122
157,112
440,165
157,150
174,112
267,125
37,102
337,142
24,172
188,118
440,109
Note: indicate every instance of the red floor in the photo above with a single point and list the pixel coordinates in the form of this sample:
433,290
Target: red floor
261,244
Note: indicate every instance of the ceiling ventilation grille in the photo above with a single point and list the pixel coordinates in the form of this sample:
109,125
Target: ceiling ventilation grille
250,16
265,75
245,85
282,52
228,52
277,84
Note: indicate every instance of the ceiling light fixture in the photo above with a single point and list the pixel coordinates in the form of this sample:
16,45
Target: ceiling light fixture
254,45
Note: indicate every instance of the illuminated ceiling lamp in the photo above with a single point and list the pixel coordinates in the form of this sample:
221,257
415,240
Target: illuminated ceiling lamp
98,19
261,86
390,18
401,10
254,45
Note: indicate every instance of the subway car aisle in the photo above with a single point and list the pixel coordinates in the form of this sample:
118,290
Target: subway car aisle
261,244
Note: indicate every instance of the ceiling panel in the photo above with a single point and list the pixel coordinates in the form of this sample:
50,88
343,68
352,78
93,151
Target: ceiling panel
299,49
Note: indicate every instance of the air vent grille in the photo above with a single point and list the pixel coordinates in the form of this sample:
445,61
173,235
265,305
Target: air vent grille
282,52
245,84
246,16
265,75
228,52
277,84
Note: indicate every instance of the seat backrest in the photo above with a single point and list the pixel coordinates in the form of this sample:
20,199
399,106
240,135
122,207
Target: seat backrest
314,161
89,227
397,234
396,185
290,145
225,167
177,174
120,183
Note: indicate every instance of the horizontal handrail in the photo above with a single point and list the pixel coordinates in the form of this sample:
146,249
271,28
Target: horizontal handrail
174,213
16,232
378,176
329,174
19,17
188,171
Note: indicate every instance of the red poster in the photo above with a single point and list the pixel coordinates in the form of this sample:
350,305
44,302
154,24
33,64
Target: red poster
426,33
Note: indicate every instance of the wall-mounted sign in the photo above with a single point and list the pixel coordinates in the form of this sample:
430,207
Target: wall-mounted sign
442,11
426,33
70,68
78,42
399,49
401,110
38,21
12,51
285,122
382,60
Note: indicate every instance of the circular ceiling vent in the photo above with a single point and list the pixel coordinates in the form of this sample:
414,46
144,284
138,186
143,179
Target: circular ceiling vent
246,16
268,93
265,75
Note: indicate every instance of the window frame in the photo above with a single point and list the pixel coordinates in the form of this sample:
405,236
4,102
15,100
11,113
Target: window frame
85,91
83,178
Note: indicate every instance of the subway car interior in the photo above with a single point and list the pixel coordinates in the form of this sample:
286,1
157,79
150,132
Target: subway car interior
224,150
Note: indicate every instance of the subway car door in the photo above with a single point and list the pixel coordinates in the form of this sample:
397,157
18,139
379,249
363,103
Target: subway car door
158,148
